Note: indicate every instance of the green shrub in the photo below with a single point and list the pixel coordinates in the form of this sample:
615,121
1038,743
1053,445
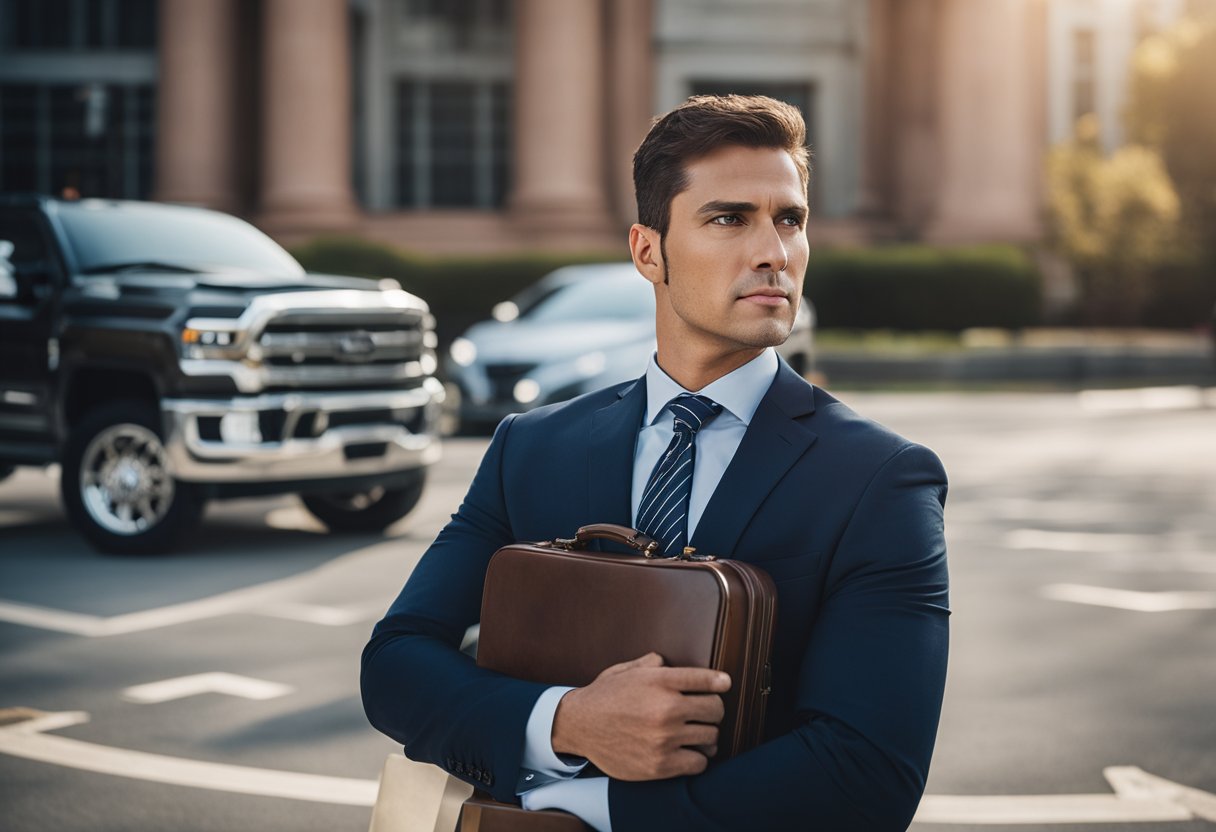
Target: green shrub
899,287
917,287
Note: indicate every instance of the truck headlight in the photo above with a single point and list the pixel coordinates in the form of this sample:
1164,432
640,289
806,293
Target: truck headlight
207,337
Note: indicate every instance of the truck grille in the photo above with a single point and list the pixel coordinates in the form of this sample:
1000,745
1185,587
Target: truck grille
338,349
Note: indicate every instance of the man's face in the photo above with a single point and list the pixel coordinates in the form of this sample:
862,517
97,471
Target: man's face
735,253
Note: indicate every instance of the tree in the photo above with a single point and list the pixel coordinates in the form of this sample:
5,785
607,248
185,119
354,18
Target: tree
1172,108
1113,218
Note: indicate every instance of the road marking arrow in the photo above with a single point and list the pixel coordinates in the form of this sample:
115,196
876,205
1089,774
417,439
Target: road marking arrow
1139,797
1127,599
226,683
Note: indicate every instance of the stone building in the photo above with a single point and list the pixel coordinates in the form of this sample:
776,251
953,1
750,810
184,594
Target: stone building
490,125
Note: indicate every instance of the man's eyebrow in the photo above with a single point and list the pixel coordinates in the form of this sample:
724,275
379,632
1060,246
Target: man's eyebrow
723,207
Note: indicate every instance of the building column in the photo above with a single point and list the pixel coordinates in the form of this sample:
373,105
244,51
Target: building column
991,122
875,198
306,107
559,175
196,104
632,96
914,117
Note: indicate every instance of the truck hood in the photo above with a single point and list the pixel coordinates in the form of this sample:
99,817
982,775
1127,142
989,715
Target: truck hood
233,281
221,293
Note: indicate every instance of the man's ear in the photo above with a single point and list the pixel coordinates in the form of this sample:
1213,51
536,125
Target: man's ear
645,246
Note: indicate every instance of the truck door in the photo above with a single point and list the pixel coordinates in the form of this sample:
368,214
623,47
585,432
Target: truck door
28,278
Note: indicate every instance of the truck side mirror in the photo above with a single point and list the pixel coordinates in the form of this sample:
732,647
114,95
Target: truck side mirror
9,290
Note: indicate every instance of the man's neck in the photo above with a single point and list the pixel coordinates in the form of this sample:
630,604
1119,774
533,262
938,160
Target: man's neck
695,373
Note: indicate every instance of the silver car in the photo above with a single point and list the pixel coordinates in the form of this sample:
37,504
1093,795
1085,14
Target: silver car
578,329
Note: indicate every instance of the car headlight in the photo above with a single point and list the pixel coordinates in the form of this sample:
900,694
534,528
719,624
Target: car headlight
591,364
526,391
463,352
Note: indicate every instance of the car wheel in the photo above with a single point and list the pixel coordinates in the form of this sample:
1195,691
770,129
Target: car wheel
373,510
116,484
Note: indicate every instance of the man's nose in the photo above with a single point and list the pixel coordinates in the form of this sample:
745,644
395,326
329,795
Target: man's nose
770,254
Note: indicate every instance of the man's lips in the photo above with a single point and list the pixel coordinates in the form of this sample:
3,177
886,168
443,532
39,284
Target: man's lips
766,297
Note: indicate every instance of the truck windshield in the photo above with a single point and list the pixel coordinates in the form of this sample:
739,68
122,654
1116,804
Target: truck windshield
107,236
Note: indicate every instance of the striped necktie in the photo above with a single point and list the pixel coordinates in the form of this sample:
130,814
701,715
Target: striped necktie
663,511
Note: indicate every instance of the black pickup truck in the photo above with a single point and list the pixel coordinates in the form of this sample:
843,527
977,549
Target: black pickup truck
166,355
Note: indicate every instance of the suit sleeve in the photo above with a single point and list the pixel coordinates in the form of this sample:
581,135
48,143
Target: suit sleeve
418,688
870,685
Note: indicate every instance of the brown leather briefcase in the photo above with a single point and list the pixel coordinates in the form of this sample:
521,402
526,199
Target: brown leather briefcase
554,613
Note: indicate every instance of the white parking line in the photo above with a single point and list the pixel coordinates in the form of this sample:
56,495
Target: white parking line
1127,599
216,682
1138,796
1080,541
250,599
1147,398
27,740
325,616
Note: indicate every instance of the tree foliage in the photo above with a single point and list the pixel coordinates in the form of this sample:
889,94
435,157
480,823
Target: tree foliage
1113,217
1172,108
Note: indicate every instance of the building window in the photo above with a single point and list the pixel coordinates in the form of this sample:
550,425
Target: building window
452,143
455,25
77,24
1084,78
90,140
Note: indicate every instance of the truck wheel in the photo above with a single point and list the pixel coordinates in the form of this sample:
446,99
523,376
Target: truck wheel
116,485
365,511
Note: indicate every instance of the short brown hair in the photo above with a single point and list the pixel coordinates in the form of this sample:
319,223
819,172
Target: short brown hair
701,125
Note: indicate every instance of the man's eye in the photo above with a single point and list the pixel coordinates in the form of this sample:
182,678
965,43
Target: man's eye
792,220
727,219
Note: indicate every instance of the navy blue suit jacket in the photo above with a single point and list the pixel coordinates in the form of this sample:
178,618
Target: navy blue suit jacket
844,515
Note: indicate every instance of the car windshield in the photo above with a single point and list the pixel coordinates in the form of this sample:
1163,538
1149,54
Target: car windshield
591,298
107,238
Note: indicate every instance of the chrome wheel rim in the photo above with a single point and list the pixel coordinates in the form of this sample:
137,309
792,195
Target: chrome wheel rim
124,480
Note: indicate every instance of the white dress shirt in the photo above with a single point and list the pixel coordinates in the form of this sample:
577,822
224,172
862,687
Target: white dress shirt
739,392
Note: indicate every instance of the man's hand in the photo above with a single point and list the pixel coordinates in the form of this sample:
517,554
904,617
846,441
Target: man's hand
637,720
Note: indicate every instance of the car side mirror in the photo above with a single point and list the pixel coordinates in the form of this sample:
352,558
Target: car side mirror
9,289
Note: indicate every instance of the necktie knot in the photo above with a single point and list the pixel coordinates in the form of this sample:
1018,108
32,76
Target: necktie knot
692,412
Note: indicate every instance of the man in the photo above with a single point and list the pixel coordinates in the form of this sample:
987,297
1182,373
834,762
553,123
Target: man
844,515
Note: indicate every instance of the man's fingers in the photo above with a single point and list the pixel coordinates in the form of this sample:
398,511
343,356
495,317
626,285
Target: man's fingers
695,680
703,735
704,707
686,761
649,660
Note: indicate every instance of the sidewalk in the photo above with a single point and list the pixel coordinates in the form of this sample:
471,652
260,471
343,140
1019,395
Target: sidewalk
1054,357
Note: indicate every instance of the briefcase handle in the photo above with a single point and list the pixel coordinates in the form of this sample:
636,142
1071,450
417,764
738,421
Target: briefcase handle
624,535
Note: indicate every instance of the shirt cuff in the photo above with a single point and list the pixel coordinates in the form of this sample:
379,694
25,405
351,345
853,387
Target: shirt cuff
539,756
587,798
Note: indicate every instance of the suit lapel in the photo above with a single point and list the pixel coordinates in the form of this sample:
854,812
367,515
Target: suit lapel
773,442
614,433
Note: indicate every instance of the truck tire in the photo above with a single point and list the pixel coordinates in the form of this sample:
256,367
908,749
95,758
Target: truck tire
365,511
116,486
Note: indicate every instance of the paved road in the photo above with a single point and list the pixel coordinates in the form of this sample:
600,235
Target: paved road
1069,517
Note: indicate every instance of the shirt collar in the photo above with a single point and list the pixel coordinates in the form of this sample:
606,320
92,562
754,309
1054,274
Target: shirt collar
739,391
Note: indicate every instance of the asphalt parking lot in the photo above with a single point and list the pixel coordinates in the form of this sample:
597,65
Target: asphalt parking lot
217,688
